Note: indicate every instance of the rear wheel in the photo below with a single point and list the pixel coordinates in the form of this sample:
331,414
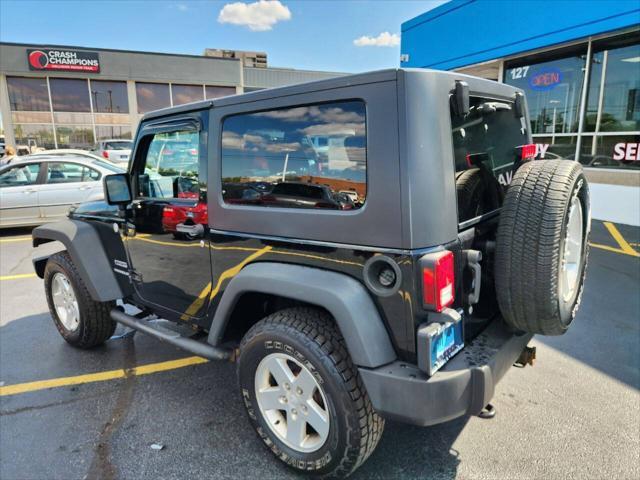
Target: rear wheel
81,321
542,246
304,396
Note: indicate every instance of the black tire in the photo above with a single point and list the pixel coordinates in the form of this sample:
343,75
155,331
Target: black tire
310,336
470,191
531,244
95,325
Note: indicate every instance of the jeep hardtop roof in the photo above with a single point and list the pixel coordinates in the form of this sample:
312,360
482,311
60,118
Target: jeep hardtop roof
390,74
411,200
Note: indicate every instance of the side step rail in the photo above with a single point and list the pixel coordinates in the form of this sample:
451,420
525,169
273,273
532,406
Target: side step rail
173,338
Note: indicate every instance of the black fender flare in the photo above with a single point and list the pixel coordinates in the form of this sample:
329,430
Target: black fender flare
344,297
82,242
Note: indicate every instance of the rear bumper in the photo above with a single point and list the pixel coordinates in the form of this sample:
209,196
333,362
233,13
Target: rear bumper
464,386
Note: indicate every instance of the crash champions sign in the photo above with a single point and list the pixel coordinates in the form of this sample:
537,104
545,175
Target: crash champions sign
63,60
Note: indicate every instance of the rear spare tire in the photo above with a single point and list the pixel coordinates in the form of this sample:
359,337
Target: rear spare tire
542,246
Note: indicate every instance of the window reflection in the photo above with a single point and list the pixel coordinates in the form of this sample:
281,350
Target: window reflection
75,136
69,95
152,96
553,92
611,151
109,97
34,136
28,94
217,92
621,95
106,132
186,93
303,157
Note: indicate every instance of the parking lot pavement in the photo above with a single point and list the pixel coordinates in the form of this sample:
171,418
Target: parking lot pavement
574,415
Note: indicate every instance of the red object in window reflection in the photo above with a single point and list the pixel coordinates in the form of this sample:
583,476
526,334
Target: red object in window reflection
188,195
188,214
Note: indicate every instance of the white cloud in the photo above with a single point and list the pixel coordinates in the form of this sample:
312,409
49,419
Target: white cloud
258,16
182,7
385,39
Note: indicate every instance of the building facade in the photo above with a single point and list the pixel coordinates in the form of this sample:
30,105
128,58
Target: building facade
579,65
578,62
71,97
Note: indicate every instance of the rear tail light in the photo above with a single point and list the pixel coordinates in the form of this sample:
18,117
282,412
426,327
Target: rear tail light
168,212
105,154
528,152
438,288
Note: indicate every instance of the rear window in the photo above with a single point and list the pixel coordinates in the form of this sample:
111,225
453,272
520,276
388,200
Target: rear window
117,145
485,146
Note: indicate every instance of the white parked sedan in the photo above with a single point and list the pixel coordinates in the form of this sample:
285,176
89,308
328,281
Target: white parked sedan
116,150
42,189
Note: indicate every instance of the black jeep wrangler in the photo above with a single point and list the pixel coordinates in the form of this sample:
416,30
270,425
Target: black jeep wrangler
375,246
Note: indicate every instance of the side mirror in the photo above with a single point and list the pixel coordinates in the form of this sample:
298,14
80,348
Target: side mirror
117,189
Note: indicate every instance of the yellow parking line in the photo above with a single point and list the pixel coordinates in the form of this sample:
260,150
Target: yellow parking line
17,277
17,239
100,376
624,245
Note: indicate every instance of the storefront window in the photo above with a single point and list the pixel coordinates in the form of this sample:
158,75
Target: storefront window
152,96
109,97
186,93
106,132
28,94
553,93
610,151
34,136
69,95
217,92
620,97
75,136
550,148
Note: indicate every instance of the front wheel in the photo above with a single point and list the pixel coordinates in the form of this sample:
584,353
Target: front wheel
304,396
81,321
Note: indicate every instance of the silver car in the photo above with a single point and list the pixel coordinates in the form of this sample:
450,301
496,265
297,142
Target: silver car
116,150
41,189
67,152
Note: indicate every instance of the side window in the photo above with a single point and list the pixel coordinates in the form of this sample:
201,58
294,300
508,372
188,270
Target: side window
90,175
171,167
60,172
311,156
19,176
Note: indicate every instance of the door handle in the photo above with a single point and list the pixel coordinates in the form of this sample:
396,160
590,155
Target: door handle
30,190
85,187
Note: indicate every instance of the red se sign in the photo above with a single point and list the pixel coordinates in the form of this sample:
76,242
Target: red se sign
626,151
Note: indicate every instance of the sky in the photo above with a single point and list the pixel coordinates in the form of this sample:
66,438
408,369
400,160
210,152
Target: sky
330,35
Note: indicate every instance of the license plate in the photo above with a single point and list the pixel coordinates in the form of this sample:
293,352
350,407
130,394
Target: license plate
443,342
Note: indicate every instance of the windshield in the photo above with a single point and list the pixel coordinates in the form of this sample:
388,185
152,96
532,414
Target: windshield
485,147
124,145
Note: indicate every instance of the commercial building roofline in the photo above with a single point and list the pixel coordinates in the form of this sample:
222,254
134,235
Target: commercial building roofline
467,32
114,50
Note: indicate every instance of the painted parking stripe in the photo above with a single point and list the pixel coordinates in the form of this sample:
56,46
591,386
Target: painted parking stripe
617,236
18,277
100,376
